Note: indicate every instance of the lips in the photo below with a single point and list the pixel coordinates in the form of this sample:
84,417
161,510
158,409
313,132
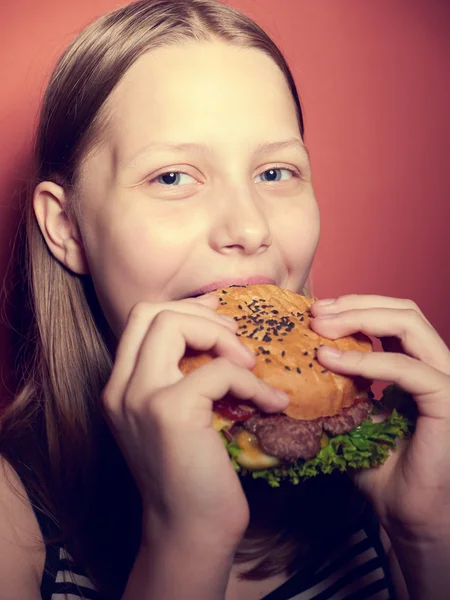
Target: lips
210,287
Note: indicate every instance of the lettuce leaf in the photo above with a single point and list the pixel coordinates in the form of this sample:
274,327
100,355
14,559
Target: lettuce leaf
233,450
366,446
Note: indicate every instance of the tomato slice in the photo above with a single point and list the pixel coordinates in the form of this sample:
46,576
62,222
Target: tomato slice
234,411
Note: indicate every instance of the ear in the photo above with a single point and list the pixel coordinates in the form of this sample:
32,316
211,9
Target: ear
61,232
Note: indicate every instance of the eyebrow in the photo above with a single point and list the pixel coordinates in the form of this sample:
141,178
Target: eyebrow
263,148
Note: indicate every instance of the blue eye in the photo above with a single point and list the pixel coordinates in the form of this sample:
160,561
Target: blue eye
276,175
172,179
175,178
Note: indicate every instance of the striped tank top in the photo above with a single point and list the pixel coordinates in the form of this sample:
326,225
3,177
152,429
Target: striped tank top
358,570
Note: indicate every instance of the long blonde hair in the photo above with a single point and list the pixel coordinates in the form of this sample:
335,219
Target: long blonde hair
53,432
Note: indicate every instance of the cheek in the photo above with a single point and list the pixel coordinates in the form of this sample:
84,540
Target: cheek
298,235
133,242
133,260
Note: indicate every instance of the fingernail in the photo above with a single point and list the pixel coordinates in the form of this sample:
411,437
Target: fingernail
206,297
227,318
247,350
281,395
331,352
325,301
329,316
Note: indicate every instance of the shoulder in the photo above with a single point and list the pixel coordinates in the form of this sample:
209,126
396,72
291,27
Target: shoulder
22,548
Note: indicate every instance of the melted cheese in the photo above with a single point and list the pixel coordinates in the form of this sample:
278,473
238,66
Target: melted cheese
220,422
252,457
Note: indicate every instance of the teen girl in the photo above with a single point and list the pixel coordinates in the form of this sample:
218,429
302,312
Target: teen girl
170,156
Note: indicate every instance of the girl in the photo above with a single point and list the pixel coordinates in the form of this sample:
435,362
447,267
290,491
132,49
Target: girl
170,158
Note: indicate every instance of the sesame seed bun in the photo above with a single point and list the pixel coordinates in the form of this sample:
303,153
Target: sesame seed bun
275,324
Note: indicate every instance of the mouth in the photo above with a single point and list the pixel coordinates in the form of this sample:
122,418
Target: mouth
235,281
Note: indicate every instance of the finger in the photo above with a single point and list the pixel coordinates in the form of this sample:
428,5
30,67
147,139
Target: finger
165,344
429,386
138,323
207,299
417,338
352,301
216,379
212,302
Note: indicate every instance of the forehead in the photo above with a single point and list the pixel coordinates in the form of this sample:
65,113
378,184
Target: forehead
200,91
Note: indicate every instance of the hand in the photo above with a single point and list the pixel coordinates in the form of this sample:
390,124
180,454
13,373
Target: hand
163,421
411,491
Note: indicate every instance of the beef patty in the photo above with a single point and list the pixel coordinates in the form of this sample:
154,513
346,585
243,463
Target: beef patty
290,439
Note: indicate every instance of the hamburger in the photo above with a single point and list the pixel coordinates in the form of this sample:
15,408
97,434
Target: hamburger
328,423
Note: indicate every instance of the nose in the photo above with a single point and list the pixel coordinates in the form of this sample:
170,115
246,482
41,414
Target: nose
240,223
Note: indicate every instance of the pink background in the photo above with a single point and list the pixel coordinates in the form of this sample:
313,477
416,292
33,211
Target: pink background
374,81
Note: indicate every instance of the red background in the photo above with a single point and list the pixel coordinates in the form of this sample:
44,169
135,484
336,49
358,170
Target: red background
374,81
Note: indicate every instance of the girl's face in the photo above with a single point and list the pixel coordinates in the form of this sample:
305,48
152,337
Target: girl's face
203,178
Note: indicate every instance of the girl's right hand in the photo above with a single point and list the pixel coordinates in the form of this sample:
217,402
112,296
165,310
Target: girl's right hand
162,421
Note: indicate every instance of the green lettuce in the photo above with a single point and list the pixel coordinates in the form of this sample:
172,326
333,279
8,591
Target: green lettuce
366,446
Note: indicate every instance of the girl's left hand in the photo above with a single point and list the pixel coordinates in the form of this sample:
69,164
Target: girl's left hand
411,491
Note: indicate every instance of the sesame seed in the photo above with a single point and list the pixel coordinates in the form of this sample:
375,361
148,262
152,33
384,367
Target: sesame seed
298,370
310,365
267,360
324,371
305,354
239,306
287,368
